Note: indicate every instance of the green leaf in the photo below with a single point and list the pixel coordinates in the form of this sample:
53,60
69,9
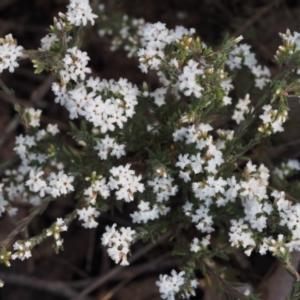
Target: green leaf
202,269
295,295
222,255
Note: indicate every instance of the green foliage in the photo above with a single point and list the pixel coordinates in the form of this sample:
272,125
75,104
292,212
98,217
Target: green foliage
295,295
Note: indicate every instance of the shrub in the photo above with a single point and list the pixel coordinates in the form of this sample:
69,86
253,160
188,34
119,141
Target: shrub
179,153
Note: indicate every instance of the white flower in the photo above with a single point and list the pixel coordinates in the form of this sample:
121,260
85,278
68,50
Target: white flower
293,164
197,245
118,243
88,215
52,128
80,12
75,65
169,286
125,182
241,109
187,80
183,160
60,184
61,94
155,37
185,176
23,250
159,96
9,53
107,146
146,213
56,229
35,183
162,187
34,116
98,186
241,235
48,40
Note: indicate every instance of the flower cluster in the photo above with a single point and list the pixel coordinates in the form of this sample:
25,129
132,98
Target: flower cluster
197,245
58,184
22,250
170,286
98,186
88,215
277,247
107,146
241,55
199,215
75,66
48,41
163,188
55,231
241,109
34,116
99,106
210,157
128,36
118,243
272,120
9,53
290,216
80,12
147,212
125,182
155,37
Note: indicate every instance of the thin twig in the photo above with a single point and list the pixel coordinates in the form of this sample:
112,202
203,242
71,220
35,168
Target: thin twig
127,272
225,286
112,292
103,279
35,97
12,125
257,16
39,93
145,267
23,224
58,288
68,265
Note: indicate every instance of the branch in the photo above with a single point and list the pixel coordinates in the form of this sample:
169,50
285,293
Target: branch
116,270
55,287
257,16
224,285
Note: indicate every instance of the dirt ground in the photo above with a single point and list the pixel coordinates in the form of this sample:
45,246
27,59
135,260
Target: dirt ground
84,261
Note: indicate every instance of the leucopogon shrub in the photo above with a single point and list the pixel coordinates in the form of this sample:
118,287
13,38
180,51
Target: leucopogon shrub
178,153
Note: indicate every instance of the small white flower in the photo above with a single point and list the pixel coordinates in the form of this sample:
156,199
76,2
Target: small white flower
169,286
88,215
118,242
80,12
35,183
9,53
